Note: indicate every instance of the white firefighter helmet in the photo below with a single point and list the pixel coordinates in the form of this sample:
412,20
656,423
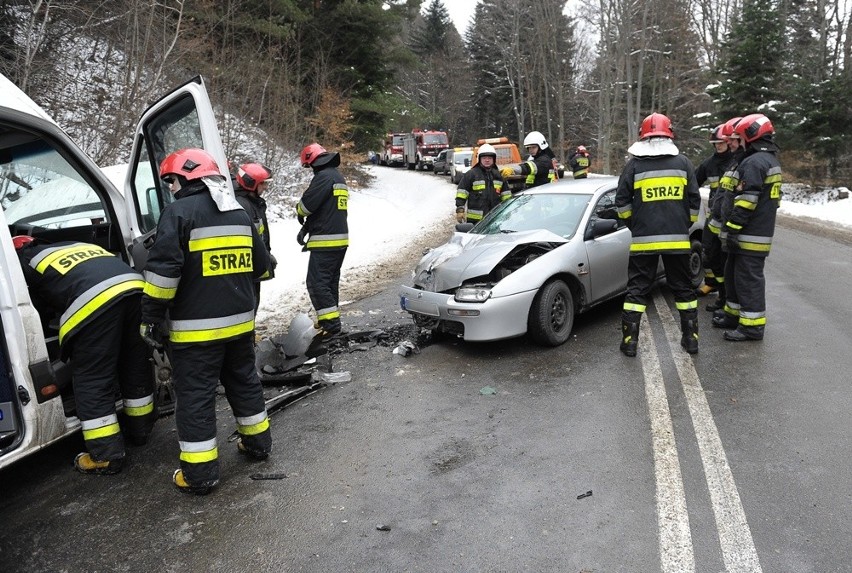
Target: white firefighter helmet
299,336
535,138
487,149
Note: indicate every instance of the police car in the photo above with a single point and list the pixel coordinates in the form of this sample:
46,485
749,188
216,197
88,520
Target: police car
50,189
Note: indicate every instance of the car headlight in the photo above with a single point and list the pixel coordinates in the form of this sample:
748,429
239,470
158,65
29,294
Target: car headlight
473,294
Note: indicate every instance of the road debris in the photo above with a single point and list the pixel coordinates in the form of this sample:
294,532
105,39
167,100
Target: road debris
587,494
406,348
487,391
268,476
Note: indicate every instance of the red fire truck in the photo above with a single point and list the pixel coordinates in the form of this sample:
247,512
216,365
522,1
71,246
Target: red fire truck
421,147
392,152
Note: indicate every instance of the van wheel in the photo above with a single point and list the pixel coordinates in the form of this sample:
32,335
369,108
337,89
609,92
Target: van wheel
551,314
696,263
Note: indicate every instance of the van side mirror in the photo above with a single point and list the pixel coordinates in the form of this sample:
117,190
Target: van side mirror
467,162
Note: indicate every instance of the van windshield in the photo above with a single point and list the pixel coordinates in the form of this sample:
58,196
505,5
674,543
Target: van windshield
460,156
39,188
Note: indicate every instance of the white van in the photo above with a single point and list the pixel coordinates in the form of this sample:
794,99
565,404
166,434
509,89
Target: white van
50,189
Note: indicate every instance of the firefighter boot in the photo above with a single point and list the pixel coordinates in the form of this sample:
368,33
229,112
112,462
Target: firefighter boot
689,330
724,320
252,453
719,303
742,333
629,337
84,463
185,487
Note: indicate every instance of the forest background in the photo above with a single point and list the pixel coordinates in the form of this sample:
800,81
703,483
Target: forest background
282,73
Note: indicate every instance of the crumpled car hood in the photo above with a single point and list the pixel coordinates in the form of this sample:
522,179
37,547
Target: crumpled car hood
468,255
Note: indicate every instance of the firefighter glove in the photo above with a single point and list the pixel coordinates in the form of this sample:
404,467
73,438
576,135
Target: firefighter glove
152,334
507,171
732,242
300,238
273,262
460,216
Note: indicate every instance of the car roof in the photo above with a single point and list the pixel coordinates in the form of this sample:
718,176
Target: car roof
589,185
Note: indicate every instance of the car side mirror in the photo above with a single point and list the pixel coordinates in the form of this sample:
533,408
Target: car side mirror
600,227
467,162
463,227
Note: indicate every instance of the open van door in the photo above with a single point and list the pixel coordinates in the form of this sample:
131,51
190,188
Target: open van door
183,118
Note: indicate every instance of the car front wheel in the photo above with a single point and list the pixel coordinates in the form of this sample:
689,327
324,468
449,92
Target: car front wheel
552,314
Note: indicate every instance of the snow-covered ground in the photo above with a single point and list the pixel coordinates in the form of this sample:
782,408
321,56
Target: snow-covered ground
401,213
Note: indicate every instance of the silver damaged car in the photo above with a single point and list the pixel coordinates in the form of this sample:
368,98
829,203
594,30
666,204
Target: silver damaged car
530,266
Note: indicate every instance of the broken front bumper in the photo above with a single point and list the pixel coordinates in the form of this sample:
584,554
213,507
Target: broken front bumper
494,319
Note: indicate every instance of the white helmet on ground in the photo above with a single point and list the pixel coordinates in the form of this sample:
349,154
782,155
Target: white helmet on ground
535,138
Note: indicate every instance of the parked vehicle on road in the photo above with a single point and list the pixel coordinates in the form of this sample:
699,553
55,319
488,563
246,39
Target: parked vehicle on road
530,266
392,150
440,165
419,148
53,191
459,160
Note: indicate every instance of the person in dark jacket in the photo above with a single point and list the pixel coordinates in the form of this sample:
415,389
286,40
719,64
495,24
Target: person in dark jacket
710,173
252,181
658,197
481,188
750,211
201,271
97,295
323,211
540,167
579,162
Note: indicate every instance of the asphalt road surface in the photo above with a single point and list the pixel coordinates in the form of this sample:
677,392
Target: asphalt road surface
504,456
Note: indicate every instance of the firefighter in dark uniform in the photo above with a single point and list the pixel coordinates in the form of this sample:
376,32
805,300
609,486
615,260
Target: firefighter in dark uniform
658,197
710,173
323,211
579,162
481,188
98,296
252,180
201,271
750,212
539,168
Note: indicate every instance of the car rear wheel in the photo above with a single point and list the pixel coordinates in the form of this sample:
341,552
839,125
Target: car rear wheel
696,263
552,314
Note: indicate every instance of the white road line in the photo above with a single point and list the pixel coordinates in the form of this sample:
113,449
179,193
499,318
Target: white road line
738,550
676,553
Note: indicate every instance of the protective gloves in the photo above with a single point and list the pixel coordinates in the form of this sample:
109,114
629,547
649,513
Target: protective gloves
300,238
152,334
732,242
507,171
273,262
460,216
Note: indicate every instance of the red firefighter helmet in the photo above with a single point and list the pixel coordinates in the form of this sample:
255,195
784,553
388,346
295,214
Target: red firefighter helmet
717,134
753,127
728,128
190,163
250,175
21,241
656,125
310,153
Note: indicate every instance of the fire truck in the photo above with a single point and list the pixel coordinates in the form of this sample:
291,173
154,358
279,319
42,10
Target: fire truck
392,152
421,147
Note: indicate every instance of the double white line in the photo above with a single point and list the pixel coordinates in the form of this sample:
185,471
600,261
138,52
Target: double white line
676,553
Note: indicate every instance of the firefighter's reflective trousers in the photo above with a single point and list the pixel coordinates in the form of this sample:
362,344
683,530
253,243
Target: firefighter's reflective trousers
641,274
109,357
196,371
746,289
323,282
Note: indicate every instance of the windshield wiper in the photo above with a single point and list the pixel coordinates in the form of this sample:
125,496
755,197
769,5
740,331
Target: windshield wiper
507,231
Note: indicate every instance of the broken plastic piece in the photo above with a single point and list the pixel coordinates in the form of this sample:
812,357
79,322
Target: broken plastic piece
331,377
273,475
587,494
383,527
406,348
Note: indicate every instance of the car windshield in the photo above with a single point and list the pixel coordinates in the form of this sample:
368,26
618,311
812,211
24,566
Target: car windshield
559,213
460,156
